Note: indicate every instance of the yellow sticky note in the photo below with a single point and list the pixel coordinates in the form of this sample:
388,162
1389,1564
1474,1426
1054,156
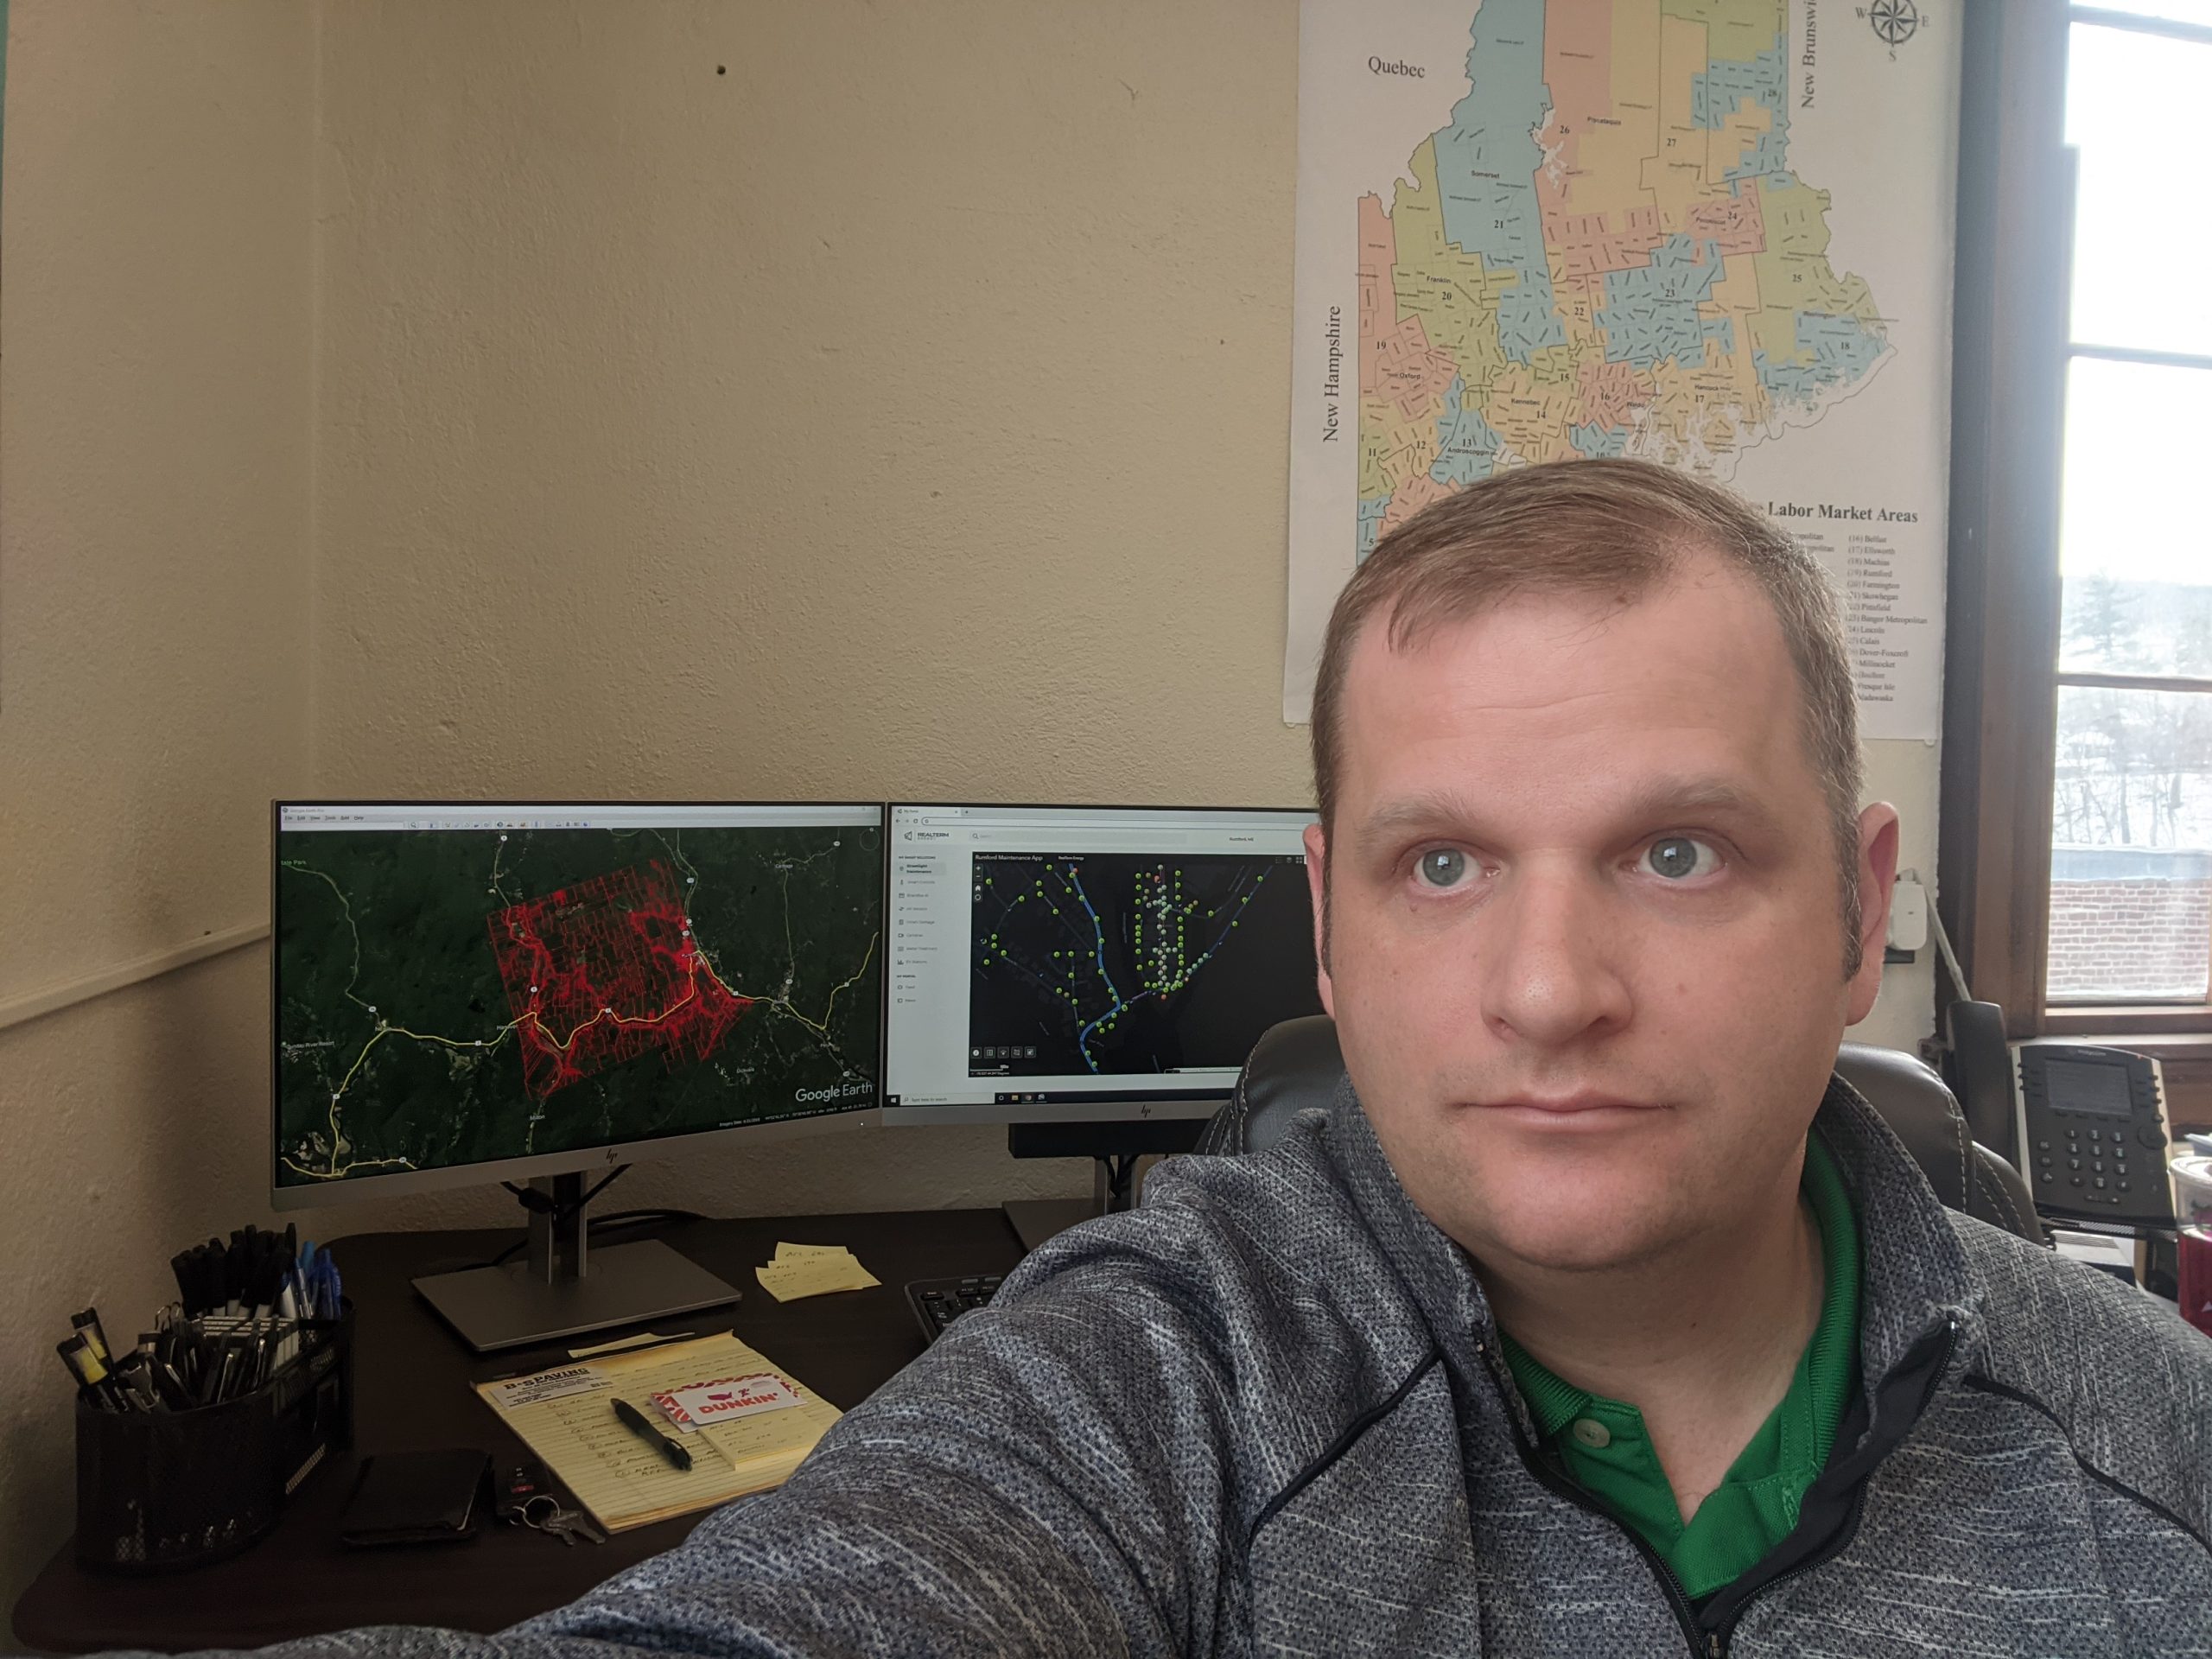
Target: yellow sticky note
817,1273
803,1252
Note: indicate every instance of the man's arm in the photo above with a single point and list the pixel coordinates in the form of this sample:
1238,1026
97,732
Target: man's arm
1049,1479
1046,1480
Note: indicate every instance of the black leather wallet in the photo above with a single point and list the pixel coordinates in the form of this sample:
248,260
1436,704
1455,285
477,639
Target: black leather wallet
417,1498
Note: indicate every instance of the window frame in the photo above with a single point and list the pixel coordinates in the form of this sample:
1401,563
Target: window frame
2011,348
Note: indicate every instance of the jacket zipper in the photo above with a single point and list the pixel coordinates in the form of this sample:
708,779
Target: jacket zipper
1850,1529
1717,1641
1703,1643
1678,1598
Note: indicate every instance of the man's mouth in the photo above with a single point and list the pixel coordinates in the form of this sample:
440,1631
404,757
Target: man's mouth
1585,1110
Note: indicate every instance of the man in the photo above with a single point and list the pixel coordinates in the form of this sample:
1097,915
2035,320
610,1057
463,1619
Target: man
1593,1317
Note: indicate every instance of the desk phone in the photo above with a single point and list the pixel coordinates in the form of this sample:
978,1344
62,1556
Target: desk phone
2093,1133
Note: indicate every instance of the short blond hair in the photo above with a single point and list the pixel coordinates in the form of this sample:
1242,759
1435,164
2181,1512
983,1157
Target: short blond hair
1602,527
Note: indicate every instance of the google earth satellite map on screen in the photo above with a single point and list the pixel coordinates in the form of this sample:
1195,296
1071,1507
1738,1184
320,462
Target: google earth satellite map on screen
467,985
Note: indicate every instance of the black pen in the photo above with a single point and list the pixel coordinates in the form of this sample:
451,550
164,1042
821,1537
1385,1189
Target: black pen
215,1386
636,1422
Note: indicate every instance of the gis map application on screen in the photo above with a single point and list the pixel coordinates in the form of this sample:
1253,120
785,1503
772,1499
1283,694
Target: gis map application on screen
466,985
1072,961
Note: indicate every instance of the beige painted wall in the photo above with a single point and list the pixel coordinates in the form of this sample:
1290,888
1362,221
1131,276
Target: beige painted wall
898,413
492,397
901,412
155,445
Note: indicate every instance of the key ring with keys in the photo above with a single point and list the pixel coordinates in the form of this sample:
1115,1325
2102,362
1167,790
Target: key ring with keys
544,1513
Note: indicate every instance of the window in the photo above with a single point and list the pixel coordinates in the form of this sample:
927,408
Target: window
2076,815
2131,870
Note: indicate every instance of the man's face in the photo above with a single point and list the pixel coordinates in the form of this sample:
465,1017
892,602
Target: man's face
1585,948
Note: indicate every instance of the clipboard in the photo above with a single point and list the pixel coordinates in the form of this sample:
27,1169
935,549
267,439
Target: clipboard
566,1415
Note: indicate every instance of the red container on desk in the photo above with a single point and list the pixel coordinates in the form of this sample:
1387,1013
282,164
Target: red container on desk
160,1490
2196,1298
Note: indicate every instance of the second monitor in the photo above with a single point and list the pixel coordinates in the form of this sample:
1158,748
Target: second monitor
1088,963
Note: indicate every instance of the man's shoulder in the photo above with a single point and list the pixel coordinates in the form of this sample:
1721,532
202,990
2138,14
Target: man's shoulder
1264,1260
2057,1320
2118,1372
1265,1226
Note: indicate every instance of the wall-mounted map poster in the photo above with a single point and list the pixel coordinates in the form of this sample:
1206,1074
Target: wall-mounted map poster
1713,233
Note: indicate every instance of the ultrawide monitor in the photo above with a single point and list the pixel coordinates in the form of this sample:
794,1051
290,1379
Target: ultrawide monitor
1088,963
466,992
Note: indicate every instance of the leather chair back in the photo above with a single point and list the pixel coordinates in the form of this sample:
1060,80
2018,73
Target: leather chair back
1297,1063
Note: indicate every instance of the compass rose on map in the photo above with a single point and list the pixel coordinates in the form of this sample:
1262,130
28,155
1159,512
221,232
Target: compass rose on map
1894,20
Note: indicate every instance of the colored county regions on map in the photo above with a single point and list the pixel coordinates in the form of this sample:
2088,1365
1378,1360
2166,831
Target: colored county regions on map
1604,252
1129,963
465,996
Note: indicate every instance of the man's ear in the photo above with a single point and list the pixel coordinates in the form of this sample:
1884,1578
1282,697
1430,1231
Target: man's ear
1317,884
1877,876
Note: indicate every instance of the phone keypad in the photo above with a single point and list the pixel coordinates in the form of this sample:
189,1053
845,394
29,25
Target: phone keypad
2096,1161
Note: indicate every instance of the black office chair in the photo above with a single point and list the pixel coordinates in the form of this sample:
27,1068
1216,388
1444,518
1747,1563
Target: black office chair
1297,1064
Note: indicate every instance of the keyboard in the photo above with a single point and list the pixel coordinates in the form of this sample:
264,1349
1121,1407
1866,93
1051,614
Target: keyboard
937,1302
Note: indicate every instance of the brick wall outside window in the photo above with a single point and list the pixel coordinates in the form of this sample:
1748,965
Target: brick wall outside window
2129,922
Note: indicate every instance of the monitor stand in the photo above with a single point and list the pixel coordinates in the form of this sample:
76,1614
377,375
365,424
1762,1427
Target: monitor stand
549,1294
1112,1148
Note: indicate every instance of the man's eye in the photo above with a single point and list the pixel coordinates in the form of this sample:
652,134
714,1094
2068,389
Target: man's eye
1445,867
1678,857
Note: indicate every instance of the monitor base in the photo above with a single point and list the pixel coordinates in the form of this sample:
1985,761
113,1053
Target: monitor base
1035,1220
1116,1150
493,1308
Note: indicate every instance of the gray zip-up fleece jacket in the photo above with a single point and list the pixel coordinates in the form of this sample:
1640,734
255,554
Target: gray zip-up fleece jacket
1266,1414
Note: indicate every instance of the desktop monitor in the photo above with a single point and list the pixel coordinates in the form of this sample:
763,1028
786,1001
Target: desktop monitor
1085,964
468,993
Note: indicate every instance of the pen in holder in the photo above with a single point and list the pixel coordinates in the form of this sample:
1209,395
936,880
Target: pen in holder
162,1490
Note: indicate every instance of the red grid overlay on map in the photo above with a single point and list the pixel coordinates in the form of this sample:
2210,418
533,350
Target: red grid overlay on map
604,971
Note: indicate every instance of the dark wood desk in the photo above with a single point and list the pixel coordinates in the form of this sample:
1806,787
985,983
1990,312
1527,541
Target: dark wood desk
411,1377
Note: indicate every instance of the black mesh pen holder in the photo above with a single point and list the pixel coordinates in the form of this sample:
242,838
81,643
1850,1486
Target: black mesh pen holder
161,1490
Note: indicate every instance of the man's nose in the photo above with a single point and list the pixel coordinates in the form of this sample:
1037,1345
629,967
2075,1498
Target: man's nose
1552,970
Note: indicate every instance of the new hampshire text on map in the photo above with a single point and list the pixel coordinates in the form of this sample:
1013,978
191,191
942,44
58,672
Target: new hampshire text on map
464,996
1606,252
1124,963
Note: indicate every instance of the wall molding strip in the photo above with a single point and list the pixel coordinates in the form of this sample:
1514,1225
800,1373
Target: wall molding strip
32,1005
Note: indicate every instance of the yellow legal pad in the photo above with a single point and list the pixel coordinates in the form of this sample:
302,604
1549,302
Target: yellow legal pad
567,1417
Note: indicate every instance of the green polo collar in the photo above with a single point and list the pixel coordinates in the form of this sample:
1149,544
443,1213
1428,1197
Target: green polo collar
1603,1445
